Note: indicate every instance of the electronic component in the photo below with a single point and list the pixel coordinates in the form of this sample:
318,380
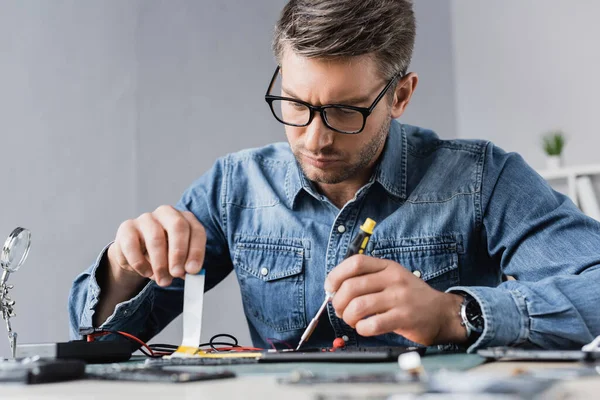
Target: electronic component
301,377
475,384
339,343
143,373
511,353
104,351
347,354
35,370
189,361
410,364
193,307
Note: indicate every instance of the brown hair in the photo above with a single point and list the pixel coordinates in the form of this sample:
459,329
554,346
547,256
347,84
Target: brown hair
385,29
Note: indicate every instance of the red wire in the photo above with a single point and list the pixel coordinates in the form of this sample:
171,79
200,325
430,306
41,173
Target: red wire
90,338
272,340
137,340
93,336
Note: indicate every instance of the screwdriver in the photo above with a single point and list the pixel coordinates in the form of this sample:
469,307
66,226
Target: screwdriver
358,245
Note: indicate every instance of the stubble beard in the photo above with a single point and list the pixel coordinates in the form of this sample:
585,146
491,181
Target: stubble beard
345,172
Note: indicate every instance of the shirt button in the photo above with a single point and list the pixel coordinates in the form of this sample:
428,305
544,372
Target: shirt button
345,338
264,271
341,229
417,273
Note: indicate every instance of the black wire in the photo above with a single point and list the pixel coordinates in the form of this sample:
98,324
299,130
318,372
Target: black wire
212,343
162,347
234,343
144,352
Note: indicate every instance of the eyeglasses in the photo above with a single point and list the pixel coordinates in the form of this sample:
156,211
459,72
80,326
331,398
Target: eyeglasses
338,117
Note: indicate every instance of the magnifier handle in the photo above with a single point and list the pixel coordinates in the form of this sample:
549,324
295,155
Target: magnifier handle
12,337
5,275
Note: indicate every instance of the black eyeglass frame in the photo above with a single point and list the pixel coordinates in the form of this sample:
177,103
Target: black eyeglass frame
365,111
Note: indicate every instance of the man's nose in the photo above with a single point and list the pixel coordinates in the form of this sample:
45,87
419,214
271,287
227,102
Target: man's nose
318,135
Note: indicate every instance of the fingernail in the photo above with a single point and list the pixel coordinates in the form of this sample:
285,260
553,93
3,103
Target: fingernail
328,288
164,282
192,267
178,270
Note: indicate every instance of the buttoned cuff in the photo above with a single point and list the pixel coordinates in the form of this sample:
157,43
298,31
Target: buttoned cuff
505,315
122,310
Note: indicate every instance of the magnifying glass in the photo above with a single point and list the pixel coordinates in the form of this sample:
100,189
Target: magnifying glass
14,253
15,249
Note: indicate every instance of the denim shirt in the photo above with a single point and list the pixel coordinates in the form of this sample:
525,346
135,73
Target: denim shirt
461,214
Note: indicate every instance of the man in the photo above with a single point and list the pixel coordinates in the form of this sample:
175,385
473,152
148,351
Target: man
454,217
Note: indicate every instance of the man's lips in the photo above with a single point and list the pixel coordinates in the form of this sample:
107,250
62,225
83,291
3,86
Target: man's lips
320,162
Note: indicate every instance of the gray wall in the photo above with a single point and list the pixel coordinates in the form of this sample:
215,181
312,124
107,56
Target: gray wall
434,102
110,108
203,68
67,118
524,67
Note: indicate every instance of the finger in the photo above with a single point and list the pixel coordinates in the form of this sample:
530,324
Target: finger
378,324
128,243
353,266
117,255
357,286
197,245
155,241
178,237
366,306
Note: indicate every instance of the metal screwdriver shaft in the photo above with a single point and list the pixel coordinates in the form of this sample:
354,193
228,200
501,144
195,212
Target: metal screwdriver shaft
358,245
313,324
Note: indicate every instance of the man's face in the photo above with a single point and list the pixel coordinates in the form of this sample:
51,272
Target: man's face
324,155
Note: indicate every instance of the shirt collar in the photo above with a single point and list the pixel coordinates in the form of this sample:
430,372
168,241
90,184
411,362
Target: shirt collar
296,181
392,168
390,171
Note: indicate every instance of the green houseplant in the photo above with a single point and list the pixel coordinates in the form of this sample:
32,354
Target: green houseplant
554,143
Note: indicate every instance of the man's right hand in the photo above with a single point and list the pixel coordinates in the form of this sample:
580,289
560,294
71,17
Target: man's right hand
160,245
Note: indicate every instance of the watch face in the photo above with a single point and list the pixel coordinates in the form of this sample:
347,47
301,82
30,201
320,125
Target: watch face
474,316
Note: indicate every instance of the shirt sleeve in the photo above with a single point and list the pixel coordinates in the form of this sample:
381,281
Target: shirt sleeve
550,247
84,296
154,307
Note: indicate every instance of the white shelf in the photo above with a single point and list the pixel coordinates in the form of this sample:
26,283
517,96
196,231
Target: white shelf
571,174
567,172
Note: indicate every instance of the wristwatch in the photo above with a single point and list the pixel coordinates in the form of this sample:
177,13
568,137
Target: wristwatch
472,318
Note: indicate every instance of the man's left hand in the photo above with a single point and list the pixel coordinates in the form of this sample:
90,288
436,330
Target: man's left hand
377,296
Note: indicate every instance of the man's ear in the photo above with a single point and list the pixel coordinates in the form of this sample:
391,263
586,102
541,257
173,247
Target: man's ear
403,93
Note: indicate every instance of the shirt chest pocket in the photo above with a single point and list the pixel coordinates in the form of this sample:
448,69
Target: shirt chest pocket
433,259
271,278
